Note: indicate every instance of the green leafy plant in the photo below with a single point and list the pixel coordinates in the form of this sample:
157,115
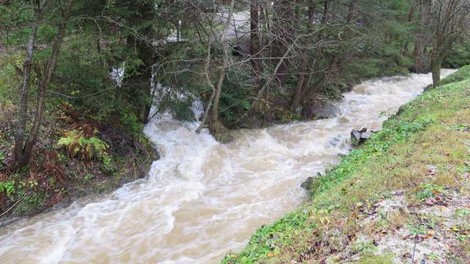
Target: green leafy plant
77,145
131,123
428,190
417,229
459,55
7,187
462,212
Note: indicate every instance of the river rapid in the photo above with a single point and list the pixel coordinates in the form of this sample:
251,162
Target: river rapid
203,199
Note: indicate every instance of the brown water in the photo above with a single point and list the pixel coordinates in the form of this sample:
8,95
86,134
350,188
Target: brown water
202,199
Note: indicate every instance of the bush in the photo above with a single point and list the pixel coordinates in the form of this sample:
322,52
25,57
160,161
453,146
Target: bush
82,77
77,145
459,56
132,124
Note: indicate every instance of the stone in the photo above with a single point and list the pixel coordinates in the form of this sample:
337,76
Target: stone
355,136
360,136
307,184
366,135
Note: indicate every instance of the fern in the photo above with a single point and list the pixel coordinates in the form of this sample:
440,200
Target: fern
7,187
77,145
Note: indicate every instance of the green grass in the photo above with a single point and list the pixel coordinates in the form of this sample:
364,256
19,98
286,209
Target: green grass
462,74
387,259
428,131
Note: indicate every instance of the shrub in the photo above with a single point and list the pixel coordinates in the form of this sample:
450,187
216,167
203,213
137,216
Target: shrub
459,56
86,148
131,123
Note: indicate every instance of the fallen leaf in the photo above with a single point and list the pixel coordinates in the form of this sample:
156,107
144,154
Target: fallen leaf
430,233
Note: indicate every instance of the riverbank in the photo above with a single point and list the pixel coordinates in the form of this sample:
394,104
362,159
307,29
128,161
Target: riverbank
402,197
76,157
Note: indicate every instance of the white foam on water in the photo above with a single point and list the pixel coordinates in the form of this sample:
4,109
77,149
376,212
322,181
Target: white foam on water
202,199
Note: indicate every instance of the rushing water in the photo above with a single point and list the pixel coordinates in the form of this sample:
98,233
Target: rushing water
203,199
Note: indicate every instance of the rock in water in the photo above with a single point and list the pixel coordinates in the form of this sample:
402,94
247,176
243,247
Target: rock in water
307,184
356,137
366,135
360,136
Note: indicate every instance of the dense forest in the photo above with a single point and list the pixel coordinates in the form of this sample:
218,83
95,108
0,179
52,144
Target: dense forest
79,79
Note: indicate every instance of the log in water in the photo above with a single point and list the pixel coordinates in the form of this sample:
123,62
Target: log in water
203,199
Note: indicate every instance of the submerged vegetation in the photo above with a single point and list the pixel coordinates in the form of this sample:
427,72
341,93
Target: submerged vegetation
403,192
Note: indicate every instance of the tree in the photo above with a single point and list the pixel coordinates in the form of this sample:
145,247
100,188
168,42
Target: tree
138,26
441,23
255,41
215,126
24,141
283,37
449,18
422,36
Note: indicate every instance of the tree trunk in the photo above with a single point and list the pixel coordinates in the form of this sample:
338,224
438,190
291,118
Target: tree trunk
351,11
334,59
255,49
215,127
283,37
20,157
137,88
326,12
436,64
24,145
422,37
308,95
221,76
304,68
218,92
298,89
44,83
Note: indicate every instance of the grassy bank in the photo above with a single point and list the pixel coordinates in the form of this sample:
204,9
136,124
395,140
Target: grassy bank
402,197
